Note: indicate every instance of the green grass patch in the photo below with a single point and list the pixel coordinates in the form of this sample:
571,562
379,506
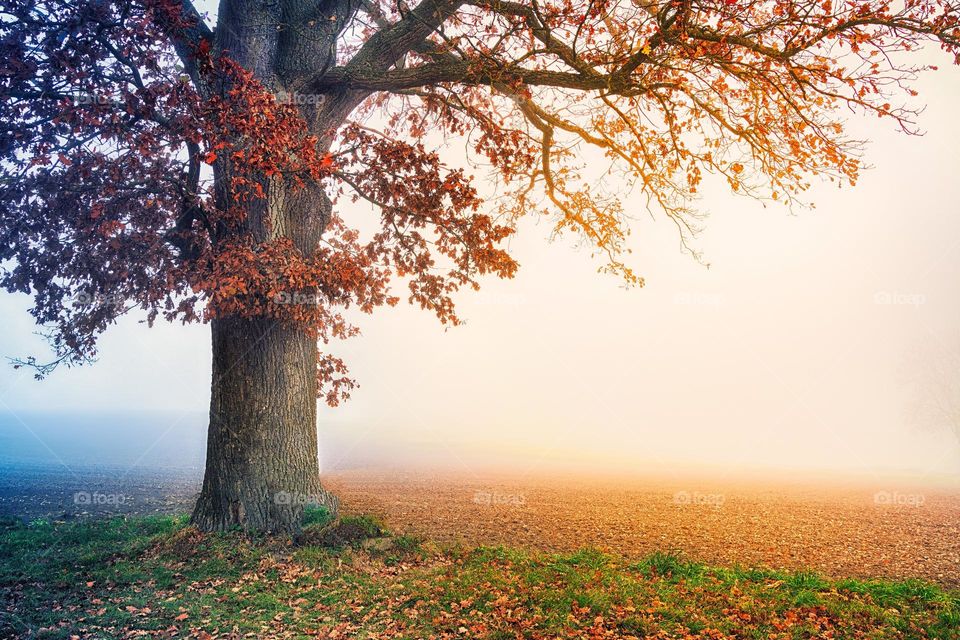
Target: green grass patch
351,579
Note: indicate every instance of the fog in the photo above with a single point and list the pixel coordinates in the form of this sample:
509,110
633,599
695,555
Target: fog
794,352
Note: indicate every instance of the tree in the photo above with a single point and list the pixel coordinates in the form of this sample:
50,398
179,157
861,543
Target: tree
935,377
153,163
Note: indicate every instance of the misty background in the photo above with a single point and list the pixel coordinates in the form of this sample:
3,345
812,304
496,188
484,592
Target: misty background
800,349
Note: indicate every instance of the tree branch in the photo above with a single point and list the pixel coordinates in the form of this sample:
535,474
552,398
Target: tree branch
187,31
391,43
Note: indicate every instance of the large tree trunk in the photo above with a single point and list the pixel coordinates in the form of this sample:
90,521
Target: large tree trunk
262,466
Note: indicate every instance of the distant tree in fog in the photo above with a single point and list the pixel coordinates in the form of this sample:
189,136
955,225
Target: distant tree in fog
936,378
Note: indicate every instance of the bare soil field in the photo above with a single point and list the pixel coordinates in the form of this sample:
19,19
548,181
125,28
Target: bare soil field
851,530
842,531
59,492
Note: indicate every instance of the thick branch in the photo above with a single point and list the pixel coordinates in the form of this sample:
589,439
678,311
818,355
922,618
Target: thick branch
187,31
460,72
390,44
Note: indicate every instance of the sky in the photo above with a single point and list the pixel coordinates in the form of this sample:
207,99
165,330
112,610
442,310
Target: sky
797,350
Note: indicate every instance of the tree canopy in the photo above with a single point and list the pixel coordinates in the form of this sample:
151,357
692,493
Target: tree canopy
140,161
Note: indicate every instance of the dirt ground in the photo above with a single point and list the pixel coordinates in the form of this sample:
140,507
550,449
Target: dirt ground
858,530
851,530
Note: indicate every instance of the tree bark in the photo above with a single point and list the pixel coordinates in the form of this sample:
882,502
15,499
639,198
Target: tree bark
262,466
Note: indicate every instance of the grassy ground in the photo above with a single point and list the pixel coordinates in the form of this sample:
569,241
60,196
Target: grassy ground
156,577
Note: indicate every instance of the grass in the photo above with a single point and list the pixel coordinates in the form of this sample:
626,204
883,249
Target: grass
156,577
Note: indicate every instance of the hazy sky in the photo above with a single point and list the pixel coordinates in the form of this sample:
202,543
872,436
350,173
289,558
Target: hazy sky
783,353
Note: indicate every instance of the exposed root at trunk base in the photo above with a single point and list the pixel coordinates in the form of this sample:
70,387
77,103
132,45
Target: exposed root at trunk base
277,514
